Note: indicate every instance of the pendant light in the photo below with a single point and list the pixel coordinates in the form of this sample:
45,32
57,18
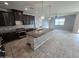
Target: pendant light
49,18
42,17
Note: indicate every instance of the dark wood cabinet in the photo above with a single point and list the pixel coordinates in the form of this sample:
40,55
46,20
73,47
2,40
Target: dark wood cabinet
18,15
10,36
2,22
11,19
32,20
6,19
25,18
28,20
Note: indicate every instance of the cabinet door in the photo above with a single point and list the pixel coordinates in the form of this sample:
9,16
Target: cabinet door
27,20
11,19
18,15
32,20
6,19
2,23
24,20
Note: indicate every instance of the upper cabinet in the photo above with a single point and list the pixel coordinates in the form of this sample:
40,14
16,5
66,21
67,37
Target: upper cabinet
18,15
6,19
3,18
32,19
28,20
9,18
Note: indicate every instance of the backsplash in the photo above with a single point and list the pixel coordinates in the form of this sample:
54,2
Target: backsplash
11,28
2,9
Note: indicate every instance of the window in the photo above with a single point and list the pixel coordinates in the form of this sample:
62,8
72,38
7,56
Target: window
59,21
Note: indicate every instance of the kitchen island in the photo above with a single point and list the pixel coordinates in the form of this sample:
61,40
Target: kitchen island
37,37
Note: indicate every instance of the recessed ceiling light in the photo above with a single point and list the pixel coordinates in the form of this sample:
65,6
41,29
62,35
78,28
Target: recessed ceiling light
5,3
26,9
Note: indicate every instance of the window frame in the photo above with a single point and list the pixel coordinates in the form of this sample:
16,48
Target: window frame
60,21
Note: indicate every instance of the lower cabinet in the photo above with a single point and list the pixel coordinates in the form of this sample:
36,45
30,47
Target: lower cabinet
2,49
36,42
9,37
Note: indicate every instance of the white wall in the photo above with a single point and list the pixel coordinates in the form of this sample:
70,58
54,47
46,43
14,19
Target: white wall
76,24
69,23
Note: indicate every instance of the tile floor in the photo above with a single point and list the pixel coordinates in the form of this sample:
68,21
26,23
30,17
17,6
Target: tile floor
62,45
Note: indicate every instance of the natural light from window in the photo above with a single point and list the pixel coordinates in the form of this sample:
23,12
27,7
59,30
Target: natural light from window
78,30
60,21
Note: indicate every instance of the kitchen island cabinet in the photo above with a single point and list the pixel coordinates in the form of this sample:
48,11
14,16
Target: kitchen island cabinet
36,38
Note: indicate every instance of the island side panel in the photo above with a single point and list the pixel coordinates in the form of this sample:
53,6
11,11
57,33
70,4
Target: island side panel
37,42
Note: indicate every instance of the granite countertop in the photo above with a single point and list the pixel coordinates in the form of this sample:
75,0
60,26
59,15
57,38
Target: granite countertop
12,30
6,29
38,33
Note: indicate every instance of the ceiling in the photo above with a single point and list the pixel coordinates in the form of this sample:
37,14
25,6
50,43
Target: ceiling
35,7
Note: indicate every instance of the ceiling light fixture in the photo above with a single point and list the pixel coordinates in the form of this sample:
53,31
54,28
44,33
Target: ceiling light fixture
5,3
42,17
26,9
49,18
